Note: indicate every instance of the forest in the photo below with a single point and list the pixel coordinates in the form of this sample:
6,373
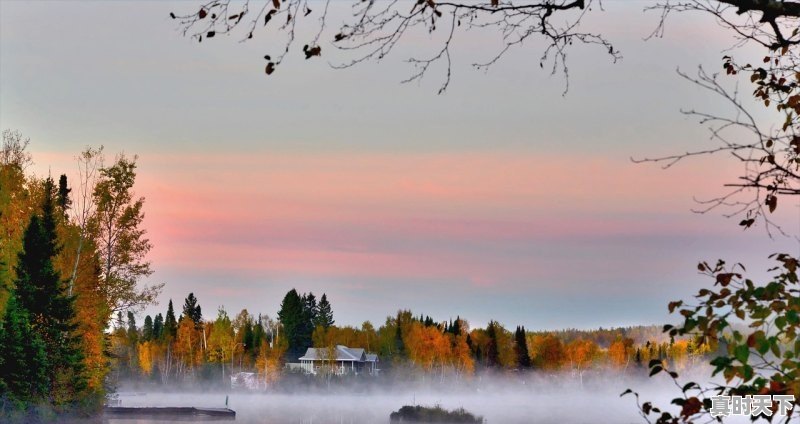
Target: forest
190,349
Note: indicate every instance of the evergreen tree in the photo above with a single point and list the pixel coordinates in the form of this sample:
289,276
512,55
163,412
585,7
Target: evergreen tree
399,345
147,329
310,314
192,310
492,351
170,323
63,194
23,361
324,313
158,327
42,294
521,348
291,317
248,336
456,329
133,332
259,335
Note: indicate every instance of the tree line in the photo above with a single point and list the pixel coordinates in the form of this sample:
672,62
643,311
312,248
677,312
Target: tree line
193,349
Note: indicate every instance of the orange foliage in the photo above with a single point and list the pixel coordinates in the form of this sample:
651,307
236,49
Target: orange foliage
547,351
619,353
581,353
427,346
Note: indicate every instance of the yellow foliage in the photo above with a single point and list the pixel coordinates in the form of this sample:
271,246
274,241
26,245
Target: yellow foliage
146,358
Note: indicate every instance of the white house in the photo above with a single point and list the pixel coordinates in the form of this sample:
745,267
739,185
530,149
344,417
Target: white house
341,360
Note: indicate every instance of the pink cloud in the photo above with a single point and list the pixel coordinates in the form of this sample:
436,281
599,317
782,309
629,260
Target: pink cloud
481,218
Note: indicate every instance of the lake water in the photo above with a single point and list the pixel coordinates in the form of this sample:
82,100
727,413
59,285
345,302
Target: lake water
504,405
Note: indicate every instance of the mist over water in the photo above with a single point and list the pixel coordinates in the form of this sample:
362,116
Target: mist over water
543,400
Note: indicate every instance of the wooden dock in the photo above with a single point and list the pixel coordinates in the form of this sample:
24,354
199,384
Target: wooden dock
169,413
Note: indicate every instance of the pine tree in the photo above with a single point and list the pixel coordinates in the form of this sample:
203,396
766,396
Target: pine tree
248,336
310,314
170,323
521,348
63,194
456,327
158,327
259,335
399,345
133,332
291,318
192,310
492,352
42,294
147,329
324,313
23,361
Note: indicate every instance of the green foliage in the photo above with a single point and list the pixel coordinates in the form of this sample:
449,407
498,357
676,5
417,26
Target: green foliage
492,350
324,313
23,362
64,202
133,332
147,329
758,326
192,310
521,348
158,327
41,320
170,323
221,342
295,332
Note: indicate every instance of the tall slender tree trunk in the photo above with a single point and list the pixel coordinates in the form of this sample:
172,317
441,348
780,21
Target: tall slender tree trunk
75,267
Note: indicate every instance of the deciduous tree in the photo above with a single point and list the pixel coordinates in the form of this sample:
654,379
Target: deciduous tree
121,240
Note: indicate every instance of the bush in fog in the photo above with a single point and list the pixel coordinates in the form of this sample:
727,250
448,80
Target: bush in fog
436,414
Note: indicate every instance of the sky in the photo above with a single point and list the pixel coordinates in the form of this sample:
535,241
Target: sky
503,198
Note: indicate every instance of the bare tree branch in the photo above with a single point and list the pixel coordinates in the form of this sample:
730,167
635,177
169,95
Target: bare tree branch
374,28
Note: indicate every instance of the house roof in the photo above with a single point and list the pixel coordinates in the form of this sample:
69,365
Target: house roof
343,353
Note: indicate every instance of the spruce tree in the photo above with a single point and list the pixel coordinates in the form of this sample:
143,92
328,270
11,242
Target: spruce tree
324,312
310,316
147,329
192,310
399,345
158,327
259,335
248,336
170,323
291,317
521,348
23,361
492,352
456,328
133,332
63,194
42,294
